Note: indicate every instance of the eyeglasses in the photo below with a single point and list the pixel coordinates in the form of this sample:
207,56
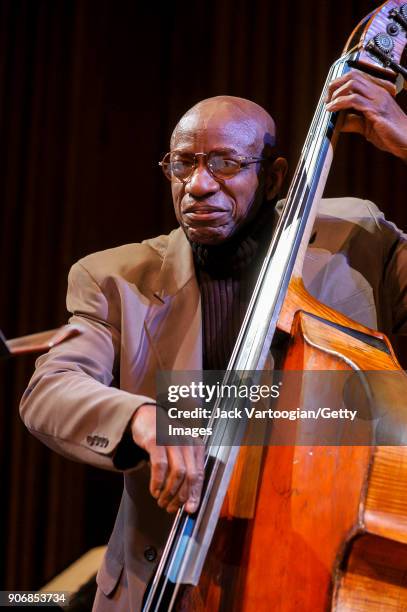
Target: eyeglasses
220,165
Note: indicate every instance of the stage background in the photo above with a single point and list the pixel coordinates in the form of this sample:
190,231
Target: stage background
89,93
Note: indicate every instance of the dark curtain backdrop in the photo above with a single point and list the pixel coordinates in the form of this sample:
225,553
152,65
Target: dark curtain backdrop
89,93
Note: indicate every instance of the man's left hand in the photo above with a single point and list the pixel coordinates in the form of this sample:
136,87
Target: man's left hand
374,113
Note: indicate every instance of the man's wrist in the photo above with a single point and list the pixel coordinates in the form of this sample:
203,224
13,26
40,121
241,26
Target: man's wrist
128,454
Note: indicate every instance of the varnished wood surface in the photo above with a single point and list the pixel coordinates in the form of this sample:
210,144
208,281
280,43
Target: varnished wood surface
307,504
42,341
375,577
385,511
312,502
298,299
378,24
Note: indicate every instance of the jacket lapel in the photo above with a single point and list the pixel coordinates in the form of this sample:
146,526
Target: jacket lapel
174,323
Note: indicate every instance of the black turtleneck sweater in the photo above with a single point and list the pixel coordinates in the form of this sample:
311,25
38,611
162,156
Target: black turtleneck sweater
226,275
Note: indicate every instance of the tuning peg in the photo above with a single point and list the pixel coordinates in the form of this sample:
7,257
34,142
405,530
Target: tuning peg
400,15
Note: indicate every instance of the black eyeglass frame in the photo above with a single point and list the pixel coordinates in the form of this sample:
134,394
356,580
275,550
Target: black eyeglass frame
242,160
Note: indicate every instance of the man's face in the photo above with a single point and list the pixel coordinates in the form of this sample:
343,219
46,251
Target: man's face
211,210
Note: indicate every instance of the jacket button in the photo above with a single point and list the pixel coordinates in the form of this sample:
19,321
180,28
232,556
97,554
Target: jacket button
150,553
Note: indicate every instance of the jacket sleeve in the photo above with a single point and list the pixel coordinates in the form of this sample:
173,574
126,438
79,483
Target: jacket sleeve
395,275
69,403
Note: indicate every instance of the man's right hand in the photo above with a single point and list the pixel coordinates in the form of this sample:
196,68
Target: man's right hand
374,113
177,472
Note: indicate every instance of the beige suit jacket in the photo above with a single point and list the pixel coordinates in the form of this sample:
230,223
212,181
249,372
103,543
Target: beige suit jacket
140,306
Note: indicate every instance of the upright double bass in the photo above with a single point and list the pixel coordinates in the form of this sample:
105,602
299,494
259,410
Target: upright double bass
303,527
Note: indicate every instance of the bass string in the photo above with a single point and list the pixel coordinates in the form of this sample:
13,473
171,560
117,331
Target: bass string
312,143
311,149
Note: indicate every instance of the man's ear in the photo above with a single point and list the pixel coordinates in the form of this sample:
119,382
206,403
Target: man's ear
275,174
